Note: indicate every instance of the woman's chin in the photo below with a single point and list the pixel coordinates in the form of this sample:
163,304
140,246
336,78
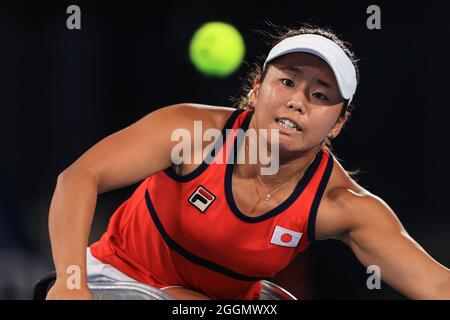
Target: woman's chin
287,146
291,143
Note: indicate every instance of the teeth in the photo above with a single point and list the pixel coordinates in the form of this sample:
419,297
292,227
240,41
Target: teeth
288,124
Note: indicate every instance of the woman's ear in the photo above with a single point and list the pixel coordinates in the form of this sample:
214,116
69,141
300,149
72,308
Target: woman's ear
253,94
257,85
338,126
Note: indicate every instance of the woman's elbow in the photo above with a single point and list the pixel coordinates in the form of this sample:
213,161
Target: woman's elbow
76,175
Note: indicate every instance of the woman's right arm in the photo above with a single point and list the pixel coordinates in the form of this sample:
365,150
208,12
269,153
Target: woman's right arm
121,159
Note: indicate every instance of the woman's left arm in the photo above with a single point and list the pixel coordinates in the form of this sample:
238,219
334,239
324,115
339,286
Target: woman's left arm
377,237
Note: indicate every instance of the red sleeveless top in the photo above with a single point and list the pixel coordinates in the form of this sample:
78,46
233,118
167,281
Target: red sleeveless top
188,231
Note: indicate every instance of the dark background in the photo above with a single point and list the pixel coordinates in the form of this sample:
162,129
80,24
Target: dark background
61,91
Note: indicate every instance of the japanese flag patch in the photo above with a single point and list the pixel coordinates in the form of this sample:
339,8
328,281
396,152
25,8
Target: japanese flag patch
285,238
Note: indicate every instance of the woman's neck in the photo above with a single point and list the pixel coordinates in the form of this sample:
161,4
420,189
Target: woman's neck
289,165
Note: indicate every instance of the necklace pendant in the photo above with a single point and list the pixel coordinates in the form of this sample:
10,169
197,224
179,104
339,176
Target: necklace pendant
266,201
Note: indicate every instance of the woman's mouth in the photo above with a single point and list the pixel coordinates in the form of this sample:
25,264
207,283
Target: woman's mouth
288,124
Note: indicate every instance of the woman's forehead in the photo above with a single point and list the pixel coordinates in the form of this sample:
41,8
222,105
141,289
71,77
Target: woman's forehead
298,60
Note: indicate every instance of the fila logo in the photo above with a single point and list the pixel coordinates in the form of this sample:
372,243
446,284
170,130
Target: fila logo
285,238
202,199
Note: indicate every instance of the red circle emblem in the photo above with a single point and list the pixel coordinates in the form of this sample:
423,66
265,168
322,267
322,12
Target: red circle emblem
286,238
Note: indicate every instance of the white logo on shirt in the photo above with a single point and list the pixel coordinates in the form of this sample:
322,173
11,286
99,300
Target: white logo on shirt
202,199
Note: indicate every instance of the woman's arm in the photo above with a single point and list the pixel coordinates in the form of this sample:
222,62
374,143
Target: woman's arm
376,236
119,160
71,212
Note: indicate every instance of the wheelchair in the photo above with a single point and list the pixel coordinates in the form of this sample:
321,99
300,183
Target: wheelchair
106,290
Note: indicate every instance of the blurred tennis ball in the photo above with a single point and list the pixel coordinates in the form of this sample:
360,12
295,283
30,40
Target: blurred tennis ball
217,49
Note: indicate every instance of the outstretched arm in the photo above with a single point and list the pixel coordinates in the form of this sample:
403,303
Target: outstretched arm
377,237
119,160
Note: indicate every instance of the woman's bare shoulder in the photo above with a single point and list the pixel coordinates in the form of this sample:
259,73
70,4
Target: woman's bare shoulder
341,192
347,206
210,115
340,180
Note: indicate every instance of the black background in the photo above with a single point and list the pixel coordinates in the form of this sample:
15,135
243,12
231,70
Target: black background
63,90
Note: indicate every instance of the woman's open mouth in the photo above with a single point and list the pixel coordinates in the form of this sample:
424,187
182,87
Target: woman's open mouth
288,124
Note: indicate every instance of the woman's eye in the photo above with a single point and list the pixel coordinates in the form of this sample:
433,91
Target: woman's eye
288,82
320,96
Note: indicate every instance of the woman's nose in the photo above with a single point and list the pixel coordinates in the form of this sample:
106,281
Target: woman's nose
297,105
298,101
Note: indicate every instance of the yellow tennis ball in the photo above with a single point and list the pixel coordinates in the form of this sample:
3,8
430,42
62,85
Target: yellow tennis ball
217,49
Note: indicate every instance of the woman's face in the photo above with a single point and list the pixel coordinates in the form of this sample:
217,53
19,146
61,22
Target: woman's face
302,88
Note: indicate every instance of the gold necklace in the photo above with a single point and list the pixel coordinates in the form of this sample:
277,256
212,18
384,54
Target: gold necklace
269,194
267,198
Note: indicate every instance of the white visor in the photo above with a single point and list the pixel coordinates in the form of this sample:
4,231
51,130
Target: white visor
327,50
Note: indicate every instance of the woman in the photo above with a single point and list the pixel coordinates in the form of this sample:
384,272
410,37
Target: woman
214,230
